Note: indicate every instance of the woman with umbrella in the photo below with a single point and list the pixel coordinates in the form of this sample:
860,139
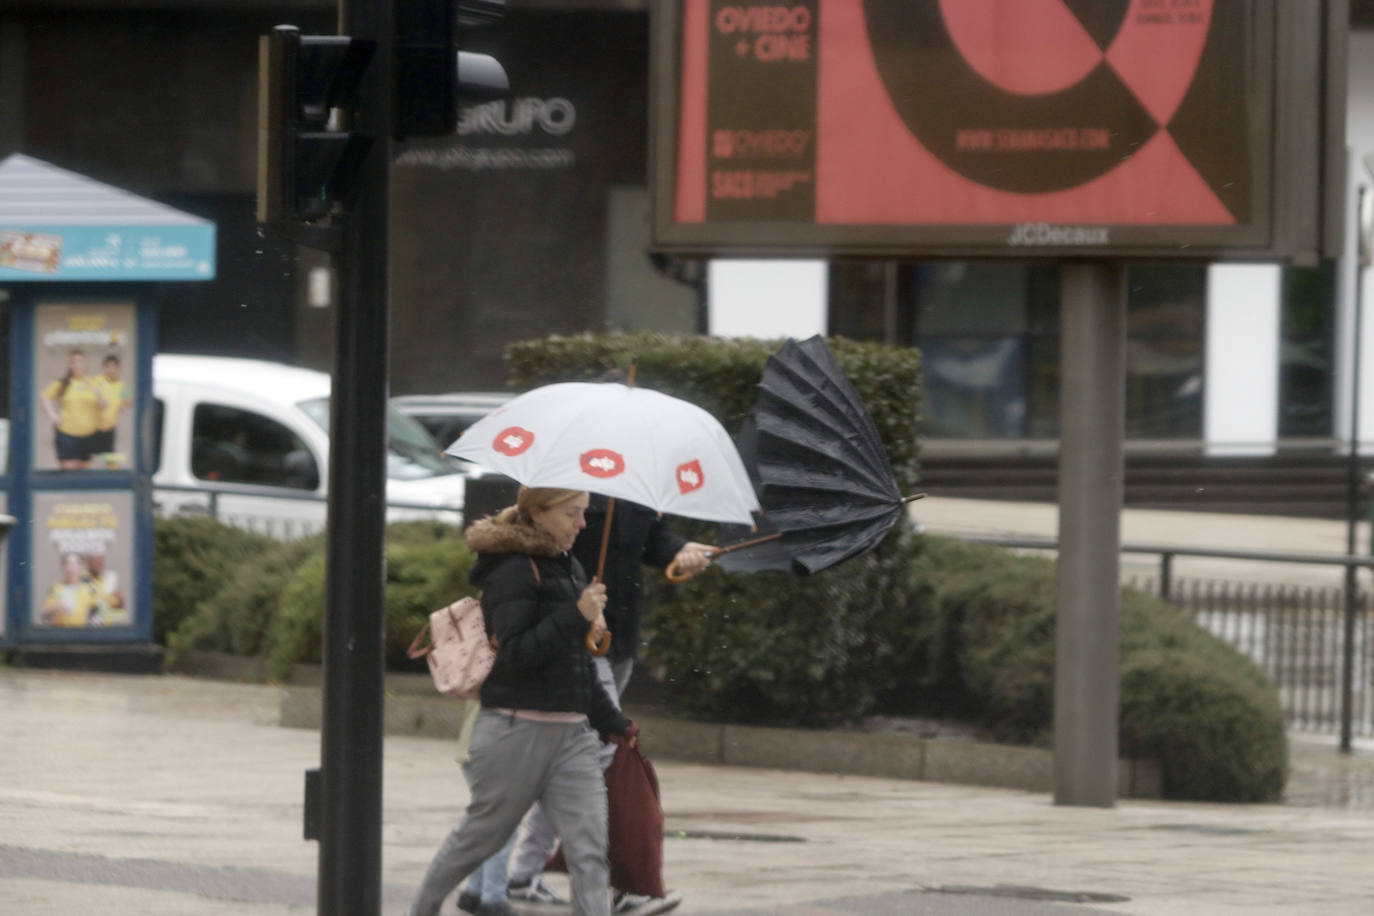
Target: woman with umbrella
652,453
622,538
542,704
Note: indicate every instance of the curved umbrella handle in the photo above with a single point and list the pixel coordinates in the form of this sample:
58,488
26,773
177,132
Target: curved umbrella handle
598,648
676,575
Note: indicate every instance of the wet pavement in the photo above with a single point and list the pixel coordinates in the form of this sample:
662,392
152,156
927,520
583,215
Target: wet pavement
165,796
1324,778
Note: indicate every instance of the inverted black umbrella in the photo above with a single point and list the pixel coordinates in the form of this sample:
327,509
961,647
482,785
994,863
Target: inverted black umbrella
818,466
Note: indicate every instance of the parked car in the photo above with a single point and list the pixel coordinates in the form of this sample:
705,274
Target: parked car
255,434
446,416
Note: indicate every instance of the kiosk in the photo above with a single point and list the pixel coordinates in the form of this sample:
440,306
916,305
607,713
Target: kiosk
77,262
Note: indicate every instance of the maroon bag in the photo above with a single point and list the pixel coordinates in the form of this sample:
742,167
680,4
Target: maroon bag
636,824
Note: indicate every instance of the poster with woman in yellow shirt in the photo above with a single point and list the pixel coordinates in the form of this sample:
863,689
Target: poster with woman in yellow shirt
74,404
83,559
72,599
117,397
88,408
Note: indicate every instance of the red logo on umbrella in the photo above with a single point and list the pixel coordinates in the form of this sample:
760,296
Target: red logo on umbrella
602,462
513,440
690,477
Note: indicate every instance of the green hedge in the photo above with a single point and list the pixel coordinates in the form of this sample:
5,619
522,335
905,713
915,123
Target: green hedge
239,616
720,375
193,560
1200,707
931,626
770,648
426,568
219,589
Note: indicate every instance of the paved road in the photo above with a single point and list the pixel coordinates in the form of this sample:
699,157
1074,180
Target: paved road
167,796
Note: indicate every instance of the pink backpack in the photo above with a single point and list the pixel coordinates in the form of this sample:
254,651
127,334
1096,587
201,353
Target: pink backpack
459,654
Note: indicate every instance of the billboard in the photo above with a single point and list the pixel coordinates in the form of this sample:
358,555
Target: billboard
1005,128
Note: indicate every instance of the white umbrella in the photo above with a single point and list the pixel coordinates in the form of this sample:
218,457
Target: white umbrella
620,441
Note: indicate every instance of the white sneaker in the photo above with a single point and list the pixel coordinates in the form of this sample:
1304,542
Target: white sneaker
625,904
536,890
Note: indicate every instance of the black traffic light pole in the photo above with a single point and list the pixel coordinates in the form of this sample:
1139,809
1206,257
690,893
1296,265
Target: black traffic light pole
329,108
354,654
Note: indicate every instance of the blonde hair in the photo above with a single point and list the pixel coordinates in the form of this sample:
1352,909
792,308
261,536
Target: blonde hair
531,498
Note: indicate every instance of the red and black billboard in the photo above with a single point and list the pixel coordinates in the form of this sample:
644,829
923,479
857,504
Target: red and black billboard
993,127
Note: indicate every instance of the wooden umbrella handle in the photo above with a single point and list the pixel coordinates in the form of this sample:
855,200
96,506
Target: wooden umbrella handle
675,575
598,648
601,648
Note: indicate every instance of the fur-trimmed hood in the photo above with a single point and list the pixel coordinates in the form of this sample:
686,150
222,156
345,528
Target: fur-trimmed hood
493,537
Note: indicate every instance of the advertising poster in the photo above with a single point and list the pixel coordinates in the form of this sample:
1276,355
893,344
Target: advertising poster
84,367
1024,123
83,559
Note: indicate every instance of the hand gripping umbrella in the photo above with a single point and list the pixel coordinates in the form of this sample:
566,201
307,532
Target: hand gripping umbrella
820,469
619,441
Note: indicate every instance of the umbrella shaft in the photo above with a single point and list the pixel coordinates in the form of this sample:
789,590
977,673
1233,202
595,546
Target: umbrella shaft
715,552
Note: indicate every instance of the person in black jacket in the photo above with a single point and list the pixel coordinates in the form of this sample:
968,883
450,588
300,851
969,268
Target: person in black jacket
542,704
638,537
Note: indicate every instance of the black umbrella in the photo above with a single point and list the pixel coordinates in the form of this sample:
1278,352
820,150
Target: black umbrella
819,468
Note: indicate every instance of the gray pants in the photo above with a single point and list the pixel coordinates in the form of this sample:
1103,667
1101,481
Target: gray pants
515,763
541,836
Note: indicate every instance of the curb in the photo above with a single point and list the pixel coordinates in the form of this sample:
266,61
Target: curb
853,752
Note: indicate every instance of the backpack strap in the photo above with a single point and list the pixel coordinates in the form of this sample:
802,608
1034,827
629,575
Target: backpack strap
534,566
418,648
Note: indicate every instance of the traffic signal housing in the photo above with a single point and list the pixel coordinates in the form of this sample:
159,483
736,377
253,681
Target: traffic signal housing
433,75
305,168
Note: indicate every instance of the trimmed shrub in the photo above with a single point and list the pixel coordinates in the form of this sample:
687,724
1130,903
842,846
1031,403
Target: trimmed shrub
771,648
720,375
427,567
238,617
193,558
932,626
1206,711
1200,707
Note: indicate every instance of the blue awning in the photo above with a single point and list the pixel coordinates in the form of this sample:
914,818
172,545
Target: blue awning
58,225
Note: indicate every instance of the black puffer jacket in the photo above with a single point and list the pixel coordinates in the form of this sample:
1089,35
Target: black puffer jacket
542,661
639,537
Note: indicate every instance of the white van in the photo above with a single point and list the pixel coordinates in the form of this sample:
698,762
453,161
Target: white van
248,442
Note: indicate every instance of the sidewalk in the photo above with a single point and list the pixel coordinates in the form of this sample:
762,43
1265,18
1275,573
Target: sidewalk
1214,530
168,796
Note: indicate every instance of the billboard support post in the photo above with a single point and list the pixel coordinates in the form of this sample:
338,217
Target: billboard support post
1091,472
1352,497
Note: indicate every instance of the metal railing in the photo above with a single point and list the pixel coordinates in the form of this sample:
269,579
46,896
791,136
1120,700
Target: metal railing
284,525
1315,644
